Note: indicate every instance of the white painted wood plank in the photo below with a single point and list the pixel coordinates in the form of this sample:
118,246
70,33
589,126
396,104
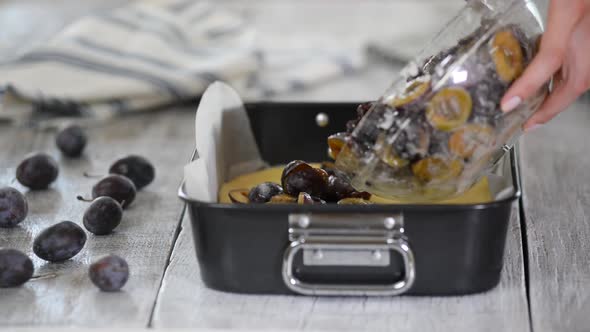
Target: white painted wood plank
557,209
144,238
184,301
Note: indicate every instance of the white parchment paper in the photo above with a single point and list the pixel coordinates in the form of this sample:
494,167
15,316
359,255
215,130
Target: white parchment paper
224,142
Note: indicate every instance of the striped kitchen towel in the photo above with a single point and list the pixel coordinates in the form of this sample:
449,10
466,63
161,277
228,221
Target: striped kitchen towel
150,54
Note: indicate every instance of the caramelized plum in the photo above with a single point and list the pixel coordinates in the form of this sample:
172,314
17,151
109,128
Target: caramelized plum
239,196
305,198
282,199
467,139
329,167
337,189
393,161
507,54
437,169
299,176
414,92
263,192
449,108
335,144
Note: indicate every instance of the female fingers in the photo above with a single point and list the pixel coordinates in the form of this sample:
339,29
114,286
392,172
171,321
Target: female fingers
575,78
564,16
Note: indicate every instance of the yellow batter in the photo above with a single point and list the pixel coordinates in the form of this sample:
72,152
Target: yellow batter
480,193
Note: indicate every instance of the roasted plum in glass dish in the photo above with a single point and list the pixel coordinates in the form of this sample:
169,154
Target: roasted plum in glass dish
438,129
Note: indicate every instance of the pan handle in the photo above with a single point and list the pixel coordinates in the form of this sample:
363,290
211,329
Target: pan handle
395,288
351,240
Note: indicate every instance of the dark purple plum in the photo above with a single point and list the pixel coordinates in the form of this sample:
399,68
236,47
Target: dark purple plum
13,207
103,216
16,268
71,141
136,168
109,273
117,187
37,171
263,192
59,242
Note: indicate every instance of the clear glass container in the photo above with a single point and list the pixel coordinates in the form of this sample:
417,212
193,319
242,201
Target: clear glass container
438,129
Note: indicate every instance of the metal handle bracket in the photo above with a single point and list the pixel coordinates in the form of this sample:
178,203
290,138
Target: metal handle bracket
364,240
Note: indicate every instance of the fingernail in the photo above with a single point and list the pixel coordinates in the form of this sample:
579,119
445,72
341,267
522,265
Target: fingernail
533,127
511,104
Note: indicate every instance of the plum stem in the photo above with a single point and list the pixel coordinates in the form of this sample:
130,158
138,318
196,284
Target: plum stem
80,198
91,175
43,276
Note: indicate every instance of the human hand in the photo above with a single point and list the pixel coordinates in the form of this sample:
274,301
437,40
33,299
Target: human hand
565,55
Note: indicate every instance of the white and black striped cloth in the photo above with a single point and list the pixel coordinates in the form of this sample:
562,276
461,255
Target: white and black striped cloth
150,54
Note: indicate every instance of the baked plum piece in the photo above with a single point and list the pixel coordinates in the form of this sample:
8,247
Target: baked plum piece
264,192
298,176
301,184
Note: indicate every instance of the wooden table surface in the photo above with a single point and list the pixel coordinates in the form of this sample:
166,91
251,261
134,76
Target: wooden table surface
545,283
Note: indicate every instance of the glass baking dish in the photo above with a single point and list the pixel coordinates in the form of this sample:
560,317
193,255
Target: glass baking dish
439,128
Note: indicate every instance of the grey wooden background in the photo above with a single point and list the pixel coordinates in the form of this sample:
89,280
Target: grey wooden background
545,283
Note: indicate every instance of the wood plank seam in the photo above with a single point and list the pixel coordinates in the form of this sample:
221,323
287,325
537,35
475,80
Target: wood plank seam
525,257
524,238
525,247
179,229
